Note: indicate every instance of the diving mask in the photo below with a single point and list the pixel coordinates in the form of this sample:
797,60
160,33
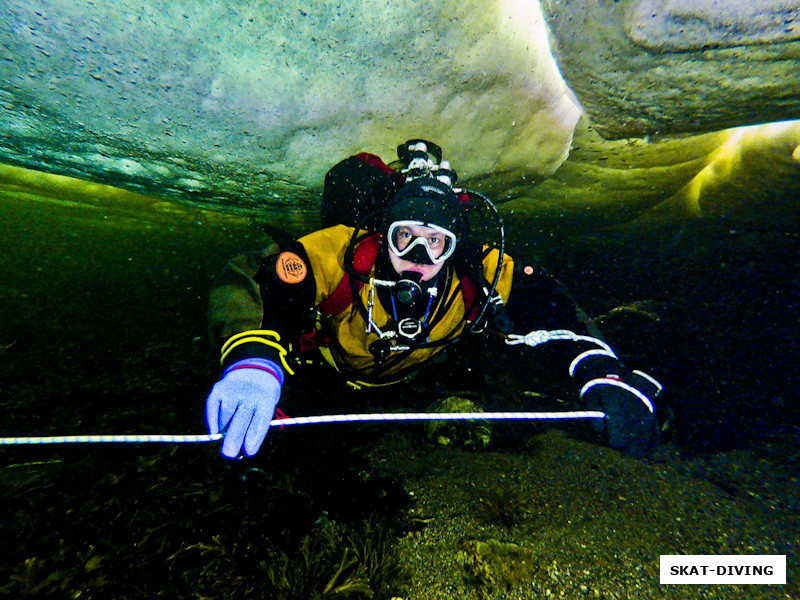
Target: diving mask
430,248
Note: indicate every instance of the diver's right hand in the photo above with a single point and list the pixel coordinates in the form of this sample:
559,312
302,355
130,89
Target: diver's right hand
242,404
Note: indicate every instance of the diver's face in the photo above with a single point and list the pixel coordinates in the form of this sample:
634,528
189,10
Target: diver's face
435,242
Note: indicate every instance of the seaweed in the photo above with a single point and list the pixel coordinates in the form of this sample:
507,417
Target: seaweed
492,565
337,561
178,522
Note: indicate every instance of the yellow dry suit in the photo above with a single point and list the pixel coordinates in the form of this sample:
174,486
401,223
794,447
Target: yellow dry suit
276,290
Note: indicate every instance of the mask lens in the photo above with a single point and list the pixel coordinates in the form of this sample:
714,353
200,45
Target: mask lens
431,248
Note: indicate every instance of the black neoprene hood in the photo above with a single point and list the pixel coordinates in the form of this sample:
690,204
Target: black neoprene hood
428,200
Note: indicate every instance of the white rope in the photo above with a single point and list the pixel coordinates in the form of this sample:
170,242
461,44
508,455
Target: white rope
473,416
542,336
100,439
313,420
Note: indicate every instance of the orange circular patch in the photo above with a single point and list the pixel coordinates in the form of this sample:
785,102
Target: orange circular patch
291,268
528,270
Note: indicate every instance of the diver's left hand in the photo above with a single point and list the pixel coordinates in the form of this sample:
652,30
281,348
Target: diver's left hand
630,424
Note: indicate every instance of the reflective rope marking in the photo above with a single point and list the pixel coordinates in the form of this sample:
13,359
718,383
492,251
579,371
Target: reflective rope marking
473,416
312,420
105,439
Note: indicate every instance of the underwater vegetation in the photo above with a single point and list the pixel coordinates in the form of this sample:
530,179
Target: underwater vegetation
492,565
338,561
164,524
334,560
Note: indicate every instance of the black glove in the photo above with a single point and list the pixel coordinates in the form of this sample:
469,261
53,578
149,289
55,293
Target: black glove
630,424
626,397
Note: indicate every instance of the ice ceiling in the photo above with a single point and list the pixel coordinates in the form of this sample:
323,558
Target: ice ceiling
661,111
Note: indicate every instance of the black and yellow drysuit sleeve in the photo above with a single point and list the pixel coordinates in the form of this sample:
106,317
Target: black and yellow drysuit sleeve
260,302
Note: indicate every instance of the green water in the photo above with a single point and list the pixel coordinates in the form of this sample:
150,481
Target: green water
103,331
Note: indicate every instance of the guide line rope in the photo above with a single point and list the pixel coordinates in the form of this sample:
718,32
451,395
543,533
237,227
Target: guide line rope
312,420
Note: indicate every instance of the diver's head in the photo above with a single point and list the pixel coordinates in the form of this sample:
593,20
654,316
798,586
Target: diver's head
423,227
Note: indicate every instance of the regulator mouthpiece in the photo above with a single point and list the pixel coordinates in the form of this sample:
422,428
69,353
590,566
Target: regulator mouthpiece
407,290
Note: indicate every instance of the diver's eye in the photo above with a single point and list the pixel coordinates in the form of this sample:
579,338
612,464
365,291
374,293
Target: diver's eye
403,237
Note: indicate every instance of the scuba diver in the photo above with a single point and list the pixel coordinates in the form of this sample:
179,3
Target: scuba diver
396,275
